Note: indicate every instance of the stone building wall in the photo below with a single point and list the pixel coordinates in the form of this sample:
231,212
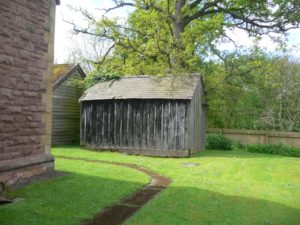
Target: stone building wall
26,58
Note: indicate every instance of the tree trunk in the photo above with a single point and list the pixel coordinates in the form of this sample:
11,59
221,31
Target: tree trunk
178,30
178,19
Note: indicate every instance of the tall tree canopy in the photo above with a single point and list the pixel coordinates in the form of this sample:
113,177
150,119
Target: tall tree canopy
254,90
246,89
161,36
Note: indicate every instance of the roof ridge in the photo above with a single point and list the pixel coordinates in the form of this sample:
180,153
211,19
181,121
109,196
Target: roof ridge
63,64
71,70
144,87
158,76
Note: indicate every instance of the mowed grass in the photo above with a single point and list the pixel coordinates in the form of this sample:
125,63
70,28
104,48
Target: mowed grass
225,188
85,190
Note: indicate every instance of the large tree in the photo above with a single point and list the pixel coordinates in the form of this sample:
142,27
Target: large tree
162,36
254,90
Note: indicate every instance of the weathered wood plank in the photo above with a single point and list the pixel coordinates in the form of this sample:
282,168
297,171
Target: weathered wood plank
153,124
158,117
144,124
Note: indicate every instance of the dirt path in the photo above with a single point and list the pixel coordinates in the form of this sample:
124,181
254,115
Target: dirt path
125,208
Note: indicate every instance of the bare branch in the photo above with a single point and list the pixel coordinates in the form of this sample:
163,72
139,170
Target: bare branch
118,5
84,12
105,55
268,26
79,30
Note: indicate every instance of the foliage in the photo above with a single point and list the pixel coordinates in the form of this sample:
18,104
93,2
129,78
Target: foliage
163,36
253,90
274,149
101,75
218,142
241,187
94,77
236,145
246,89
78,83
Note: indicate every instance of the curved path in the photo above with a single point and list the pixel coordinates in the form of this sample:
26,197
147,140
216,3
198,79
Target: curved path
125,208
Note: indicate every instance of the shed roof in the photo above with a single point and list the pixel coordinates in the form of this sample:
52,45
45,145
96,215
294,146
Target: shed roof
62,72
144,87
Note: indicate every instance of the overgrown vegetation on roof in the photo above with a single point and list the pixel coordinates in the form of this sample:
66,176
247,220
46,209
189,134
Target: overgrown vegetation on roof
60,70
101,76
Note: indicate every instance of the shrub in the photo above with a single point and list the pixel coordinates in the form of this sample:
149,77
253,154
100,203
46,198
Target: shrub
218,142
236,145
275,149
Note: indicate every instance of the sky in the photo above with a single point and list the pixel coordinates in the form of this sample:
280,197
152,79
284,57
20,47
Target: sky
65,40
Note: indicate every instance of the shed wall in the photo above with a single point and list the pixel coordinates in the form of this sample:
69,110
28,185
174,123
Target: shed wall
135,124
66,113
197,120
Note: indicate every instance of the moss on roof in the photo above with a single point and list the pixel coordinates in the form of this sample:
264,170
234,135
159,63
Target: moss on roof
59,70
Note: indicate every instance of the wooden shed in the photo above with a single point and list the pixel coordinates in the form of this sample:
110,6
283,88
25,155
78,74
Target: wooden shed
65,106
147,115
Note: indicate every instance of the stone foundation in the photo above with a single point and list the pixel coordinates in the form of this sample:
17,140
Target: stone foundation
21,171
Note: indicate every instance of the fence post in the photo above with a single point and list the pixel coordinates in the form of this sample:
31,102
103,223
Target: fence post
267,137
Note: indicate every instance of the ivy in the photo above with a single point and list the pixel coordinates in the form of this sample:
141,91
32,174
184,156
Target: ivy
101,75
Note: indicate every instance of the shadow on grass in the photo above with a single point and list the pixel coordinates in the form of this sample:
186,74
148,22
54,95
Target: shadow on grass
64,200
72,198
188,206
71,146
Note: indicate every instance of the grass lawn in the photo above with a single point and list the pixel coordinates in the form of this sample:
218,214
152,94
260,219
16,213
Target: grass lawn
225,188
84,191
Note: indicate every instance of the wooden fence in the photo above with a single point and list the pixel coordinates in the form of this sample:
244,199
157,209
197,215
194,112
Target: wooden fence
261,137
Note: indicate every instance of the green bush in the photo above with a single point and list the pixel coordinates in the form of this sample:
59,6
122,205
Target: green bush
275,149
236,145
218,142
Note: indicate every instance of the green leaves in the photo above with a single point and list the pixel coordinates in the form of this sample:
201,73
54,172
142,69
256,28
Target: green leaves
167,36
101,75
249,89
254,90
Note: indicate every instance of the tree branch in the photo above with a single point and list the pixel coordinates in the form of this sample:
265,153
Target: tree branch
202,11
105,55
195,4
121,4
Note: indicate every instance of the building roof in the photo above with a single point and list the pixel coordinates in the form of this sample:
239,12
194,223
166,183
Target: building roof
144,87
62,72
